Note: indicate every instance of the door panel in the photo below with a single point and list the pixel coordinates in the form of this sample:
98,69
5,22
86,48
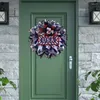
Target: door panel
49,79
43,78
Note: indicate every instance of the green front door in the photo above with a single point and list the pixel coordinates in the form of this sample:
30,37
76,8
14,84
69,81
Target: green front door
43,78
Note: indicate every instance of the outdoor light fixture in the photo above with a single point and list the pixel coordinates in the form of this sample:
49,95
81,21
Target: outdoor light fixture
4,13
94,12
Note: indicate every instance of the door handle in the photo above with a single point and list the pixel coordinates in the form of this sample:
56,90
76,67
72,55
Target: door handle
70,62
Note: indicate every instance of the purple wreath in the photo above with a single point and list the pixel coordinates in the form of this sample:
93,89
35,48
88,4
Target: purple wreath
48,38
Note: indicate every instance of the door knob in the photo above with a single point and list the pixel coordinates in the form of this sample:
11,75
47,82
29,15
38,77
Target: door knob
70,62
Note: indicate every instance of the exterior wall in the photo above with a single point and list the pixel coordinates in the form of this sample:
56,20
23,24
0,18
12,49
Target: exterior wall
9,48
89,47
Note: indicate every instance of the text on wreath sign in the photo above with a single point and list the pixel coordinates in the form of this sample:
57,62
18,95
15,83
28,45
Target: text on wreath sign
48,40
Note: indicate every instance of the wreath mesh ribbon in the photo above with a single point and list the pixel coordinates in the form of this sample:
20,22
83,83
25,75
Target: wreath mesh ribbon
48,38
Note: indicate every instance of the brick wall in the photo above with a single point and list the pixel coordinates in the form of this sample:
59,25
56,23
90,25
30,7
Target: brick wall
89,47
9,48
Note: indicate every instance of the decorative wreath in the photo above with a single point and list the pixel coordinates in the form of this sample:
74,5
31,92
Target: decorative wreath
48,38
